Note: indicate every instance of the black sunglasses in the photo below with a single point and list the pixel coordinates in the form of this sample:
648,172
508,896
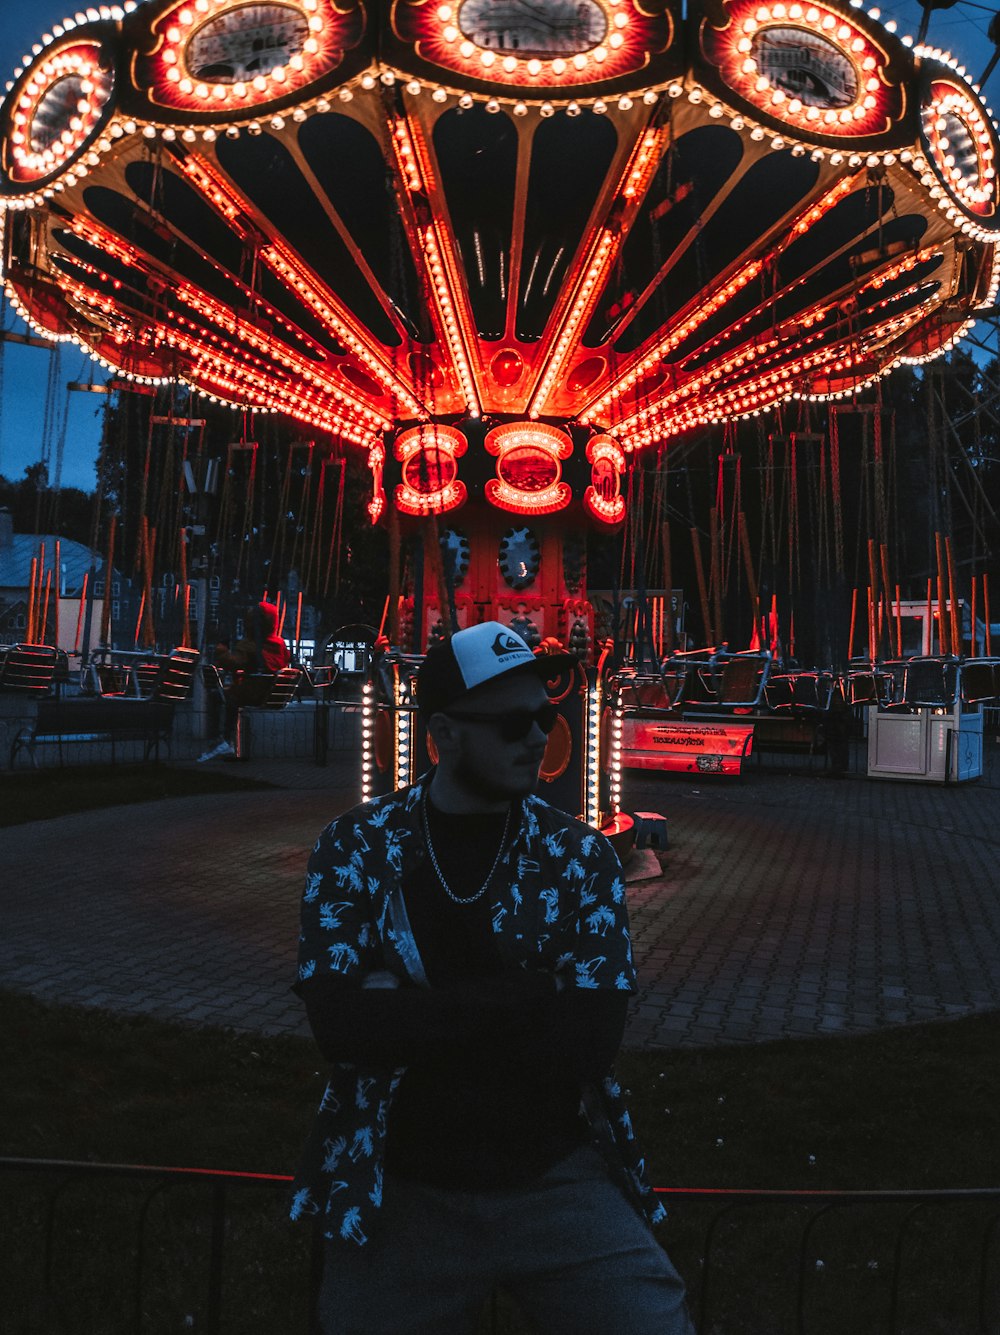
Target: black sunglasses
515,725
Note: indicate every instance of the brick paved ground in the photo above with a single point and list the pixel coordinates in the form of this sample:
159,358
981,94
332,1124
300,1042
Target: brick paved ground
786,905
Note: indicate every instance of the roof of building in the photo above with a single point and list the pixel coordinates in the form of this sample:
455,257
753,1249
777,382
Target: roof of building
74,557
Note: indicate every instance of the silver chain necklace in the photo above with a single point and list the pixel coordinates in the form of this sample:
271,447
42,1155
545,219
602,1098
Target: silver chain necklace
457,899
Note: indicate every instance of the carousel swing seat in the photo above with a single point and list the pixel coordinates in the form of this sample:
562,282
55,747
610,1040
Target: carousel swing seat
930,683
980,680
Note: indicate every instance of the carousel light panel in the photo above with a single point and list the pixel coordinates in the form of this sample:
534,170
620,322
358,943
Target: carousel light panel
220,58
603,498
961,145
376,464
58,108
368,765
429,456
533,47
529,465
809,65
419,212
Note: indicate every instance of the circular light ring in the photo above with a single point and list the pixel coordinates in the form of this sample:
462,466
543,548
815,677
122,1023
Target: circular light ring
580,42
221,59
430,435
603,498
431,484
56,110
807,65
961,145
534,435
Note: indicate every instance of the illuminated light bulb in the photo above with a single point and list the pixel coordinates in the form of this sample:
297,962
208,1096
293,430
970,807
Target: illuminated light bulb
624,103
465,101
546,109
649,97
509,64
559,67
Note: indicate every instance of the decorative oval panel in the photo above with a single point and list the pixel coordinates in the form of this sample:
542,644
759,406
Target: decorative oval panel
558,44
808,65
245,56
961,146
60,106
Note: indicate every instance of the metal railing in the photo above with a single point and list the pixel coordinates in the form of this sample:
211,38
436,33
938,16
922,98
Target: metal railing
892,1285
748,1257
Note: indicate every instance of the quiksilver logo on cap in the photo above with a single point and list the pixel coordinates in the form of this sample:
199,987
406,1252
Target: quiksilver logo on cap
505,644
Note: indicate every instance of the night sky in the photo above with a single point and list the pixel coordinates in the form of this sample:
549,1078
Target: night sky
26,371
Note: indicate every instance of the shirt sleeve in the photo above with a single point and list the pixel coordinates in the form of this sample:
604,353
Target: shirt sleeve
602,950
337,934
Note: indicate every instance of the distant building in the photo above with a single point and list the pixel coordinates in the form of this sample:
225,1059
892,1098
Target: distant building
17,551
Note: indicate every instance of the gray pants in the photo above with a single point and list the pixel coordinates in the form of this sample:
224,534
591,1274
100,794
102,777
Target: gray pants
571,1250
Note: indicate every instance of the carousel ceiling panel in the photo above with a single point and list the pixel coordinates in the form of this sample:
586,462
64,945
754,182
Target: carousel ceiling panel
694,171
266,172
348,163
477,156
769,302
638,216
161,251
177,203
767,192
570,165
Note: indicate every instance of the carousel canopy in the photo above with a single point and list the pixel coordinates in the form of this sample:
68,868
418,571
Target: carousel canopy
634,215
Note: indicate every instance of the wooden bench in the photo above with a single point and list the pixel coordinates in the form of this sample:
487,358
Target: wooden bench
110,721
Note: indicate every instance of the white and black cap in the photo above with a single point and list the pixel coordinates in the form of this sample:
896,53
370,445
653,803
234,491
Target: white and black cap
471,658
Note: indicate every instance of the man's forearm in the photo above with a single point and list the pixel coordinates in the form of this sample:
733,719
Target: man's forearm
516,1016
403,1026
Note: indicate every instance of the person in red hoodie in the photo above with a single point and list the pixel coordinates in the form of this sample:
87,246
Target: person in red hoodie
250,669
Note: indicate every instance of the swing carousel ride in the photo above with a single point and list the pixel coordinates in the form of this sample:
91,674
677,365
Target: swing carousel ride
498,248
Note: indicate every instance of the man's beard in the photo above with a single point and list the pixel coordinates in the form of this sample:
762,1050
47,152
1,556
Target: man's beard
485,786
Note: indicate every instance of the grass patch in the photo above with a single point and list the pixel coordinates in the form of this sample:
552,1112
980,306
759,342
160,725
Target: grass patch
31,795
901,1109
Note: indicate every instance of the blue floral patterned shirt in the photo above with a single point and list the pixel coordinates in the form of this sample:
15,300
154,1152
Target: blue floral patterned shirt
560,907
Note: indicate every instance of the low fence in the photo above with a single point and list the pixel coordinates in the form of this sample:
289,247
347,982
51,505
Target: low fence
111,1249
